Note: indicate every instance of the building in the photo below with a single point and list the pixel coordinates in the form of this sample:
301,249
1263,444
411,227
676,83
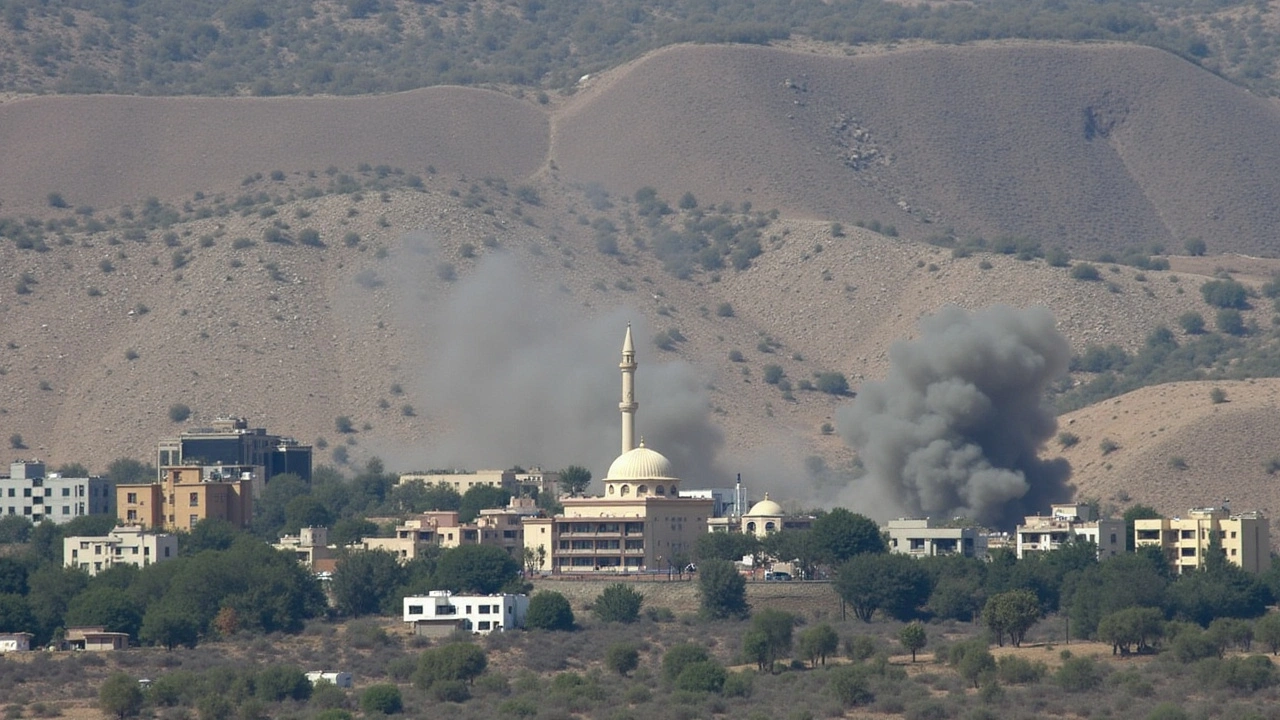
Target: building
310,546
440,612
463,480
185,496
230,441
499,527
1244,538
95,638
36,495
123,545
15,642
639,523
1069,523
339,679
761,519
923,537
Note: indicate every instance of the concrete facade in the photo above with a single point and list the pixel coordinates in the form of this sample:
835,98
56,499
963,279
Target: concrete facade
1066,523
124,545
184,497
31,492
923,537
442,612
1244,538
230,441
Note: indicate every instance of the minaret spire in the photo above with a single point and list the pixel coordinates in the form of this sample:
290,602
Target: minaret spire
628,405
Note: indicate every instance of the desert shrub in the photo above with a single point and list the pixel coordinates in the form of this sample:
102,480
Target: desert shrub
860,647
1225,294
450,691
622,657
1108,446
832,383
518,707
179,412
724,309
618,603
456,661
382,699
1086,272
849,685
1167,711
1217,396
311,237
343,424
325,696
1245,674
738,684
1014,670
678,657
773,374
736,356
1192,322
279,682
549,610
1067,439
1079,674
703,676
1230,321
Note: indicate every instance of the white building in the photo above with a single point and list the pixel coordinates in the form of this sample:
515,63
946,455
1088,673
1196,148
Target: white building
440,612
339,679
28,491
921,537
124,545
1068,523
15,642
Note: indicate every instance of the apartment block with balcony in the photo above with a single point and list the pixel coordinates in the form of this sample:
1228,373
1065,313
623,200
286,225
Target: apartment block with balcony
1244,538
122,546
186,496
1071,522
924,537
32,492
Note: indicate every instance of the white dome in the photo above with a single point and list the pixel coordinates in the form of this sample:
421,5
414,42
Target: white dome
765,508
641,464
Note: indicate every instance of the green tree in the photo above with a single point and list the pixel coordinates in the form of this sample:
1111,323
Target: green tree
703,676
913,638
305,511
1011,613
351,530
15,614
1195,246
1267,632
618,603
769,638
549,610
123,471
622,657
797,547
680,656
381,699
1137,512
1192,322
973,660
167,625
1230,321
893,583
841,534
13,577
462,662
1079,674
849,684
817,642
120,696
1225,294
731,546
365,582
574,480
14,529
722,590
1135,627
110,607
208,534
282,682
482,569
481,497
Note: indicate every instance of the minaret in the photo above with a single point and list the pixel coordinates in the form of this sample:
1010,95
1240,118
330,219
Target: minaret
628,405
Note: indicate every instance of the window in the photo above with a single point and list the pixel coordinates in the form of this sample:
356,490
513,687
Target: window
66,509
484,609
195,499
497,610
484,625
1113,538
166,551
10,492
133,515
66,492
917,543
131,498
415,609
26,492
195,519
1188,534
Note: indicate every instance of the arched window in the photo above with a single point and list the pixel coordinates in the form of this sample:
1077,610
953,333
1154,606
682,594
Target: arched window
769,527
751,527
626,490
611,488
642,490
674,491
662,490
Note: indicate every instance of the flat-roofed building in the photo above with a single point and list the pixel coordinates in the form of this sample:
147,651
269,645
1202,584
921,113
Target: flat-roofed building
463,480
1070,522
1244,538
186,496
128,545
30,491
440,613
922,537
230,441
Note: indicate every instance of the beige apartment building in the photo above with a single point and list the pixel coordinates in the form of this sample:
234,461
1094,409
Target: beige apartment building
123,545
185,496
1070,522
1244,537
462,480
924,537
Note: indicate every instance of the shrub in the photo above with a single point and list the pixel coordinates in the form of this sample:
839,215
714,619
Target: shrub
549,610
1014,670
457,661
1079,674
773,374
832,383
622,657
1230,321
1225,294
1217,396
56,200
450,691
446,272
343,424
702,676
1192,322
1067,439
848,684
724,309
1108,446
382,699
310,237
680,656
1086,272
178,412
16,442
618,603
736,356
351,239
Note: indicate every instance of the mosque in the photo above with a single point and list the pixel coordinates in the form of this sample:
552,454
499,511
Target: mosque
639,523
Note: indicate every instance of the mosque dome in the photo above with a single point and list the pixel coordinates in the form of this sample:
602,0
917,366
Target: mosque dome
765,508
641,463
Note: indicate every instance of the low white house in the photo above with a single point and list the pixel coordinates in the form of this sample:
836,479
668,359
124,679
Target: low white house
340,679
15,642
440,612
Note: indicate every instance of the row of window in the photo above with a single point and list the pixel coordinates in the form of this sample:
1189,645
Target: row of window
66,510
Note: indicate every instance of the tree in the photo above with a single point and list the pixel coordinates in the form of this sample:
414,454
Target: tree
832,383
281,682
574,480
549,610
913,637
703,676
381,699
120,696
1011,613
481,497
731,546
208,534
722,590
1137,512
305,511
110,607
1230,321
848,684
688,201
1225,294
1135,626
841,534
14,529
168,625
351,530
365,582
795,546
15,614
1267,632
482,569
1195,246
462,662
972,660
1192,322
622,657
178,412
618,603
817,642
769,638
127,470
893,583
680,656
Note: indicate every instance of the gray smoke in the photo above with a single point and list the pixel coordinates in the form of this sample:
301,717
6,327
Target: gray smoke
513,372
956,428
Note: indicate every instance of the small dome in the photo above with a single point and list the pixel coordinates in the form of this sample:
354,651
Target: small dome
640,464
765,507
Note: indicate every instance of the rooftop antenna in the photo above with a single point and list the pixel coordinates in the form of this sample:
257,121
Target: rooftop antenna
737,497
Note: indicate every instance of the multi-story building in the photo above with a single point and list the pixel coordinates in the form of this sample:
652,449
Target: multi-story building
185,496
1069,523
230,441
499,527
440,612
463,480
310,546
921,537
36,495
640,522
1244,538
123,545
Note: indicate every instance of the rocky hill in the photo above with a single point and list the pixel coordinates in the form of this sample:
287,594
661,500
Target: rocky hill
451,269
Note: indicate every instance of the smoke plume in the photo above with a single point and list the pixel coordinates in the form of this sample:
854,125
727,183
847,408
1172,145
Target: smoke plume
513,372
956,427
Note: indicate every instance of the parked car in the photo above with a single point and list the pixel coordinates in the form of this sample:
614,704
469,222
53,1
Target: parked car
777,576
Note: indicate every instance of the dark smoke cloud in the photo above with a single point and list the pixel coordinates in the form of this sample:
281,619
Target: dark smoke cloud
956,427
525,374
